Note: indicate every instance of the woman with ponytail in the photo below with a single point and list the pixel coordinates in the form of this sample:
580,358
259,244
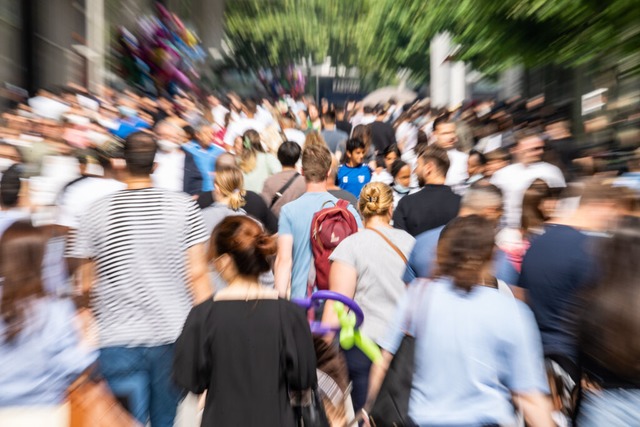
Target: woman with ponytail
256,164
477,352
228,193
245,347
368,267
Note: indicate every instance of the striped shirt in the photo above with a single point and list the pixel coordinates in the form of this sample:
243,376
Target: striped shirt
139,240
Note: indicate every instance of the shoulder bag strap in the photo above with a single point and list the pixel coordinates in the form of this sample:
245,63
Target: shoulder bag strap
282,190
390,243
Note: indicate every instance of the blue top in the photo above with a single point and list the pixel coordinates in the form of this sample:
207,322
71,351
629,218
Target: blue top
353,179
129,125
555,270
423,259
295,220
205,159
45,359
472,350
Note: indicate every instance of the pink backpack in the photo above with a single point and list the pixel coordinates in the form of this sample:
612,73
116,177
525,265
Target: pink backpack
329,227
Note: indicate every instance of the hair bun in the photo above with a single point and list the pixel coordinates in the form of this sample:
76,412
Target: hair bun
376,198
266,245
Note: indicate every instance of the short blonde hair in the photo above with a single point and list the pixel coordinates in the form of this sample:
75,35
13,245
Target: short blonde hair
230,182
376,199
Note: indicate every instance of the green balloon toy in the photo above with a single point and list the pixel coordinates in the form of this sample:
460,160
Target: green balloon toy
350,335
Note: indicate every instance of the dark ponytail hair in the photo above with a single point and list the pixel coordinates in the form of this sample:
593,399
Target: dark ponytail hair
246,242
21,254
465,246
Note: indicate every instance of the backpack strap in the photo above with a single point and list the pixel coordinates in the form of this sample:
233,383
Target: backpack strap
343,204
282,190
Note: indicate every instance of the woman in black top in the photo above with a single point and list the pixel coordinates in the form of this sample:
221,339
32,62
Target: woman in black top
610,334
245,347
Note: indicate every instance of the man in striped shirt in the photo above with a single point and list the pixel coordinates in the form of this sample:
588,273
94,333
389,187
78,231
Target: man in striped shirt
145,248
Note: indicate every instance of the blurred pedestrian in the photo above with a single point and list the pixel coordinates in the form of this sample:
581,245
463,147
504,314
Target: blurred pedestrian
245,347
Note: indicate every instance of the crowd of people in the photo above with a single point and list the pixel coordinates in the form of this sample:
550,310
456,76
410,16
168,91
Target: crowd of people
165,244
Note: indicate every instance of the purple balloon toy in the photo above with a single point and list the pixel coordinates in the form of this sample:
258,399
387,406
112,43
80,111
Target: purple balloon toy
317,327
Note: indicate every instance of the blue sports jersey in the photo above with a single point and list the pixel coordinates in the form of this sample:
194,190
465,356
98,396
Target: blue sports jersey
353,179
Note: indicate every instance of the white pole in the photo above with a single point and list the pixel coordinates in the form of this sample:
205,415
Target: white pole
94,24
440,70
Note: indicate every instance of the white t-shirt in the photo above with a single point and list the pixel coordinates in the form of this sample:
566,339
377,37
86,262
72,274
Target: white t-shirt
77,198
219,112
379,285
239,127
514,180
407,134
169,173
384,176
457,173
265,117
295,135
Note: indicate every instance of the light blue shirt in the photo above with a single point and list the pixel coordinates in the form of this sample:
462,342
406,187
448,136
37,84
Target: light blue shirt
471,351
423,259
295,220
205,159
38,367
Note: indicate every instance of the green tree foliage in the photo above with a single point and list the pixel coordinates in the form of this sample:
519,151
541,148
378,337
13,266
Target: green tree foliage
281,32
495,35
384,36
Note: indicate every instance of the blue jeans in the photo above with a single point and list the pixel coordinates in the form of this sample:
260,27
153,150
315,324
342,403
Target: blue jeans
610,407
359,366
141,376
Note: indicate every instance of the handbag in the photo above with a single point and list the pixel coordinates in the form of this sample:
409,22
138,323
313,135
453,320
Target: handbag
307,406
308,409
93,405
391,407
410,272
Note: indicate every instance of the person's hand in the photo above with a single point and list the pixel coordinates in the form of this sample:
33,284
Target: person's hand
365,418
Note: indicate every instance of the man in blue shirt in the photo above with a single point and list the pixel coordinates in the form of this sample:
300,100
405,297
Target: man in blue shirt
481,199
294,258
353,175
129,122
204,152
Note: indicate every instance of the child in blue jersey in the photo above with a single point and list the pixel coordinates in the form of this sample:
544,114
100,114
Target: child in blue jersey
352,174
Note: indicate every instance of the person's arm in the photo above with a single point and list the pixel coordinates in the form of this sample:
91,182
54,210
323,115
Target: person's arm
192,177
525,373
195,233
376,376
283,265
199,273
85,275
342,279
413,264
536,408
